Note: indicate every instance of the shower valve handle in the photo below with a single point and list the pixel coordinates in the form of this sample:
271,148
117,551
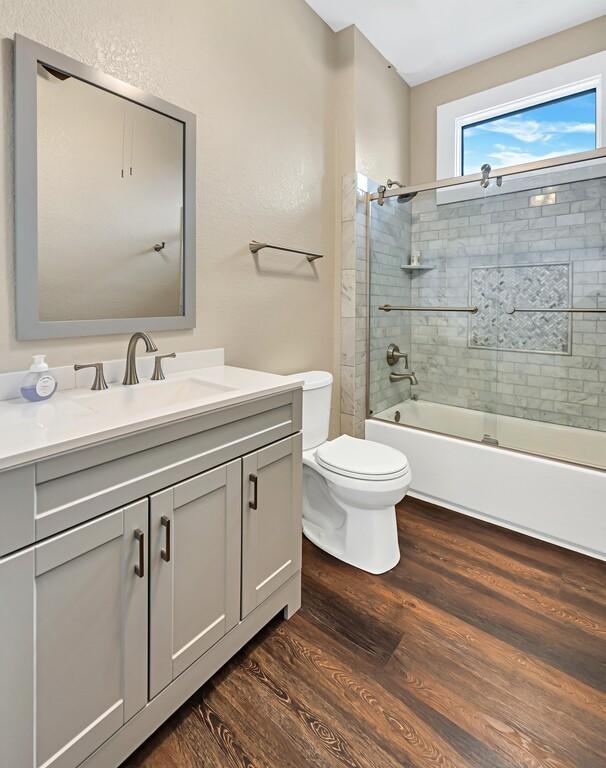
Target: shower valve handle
394,355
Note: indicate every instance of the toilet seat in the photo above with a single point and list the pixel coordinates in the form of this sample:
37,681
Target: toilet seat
361,459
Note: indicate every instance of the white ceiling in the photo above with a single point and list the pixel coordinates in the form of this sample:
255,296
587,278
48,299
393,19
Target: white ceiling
424,39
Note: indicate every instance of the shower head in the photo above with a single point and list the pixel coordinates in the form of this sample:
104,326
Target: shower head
405,197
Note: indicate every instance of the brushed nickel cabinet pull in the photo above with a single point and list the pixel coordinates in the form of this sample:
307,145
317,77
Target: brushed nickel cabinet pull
255,482
140,569
165,553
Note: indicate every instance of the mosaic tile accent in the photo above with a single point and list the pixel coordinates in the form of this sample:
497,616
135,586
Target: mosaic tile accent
496,289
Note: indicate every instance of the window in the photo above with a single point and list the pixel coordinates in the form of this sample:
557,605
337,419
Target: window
552,128
552,113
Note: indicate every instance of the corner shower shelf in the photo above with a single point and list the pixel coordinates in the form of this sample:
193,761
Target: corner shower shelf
416,267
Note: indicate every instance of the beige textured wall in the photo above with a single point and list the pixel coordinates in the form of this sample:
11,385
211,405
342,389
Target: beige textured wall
259,76
345,106
372,111
382,114
551,51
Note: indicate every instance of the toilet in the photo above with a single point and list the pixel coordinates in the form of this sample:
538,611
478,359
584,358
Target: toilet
350,486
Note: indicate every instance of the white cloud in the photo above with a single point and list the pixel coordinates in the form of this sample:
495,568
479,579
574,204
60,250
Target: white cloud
504,155
530,131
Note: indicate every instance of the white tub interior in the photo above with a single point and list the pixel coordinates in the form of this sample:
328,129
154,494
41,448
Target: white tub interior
581,446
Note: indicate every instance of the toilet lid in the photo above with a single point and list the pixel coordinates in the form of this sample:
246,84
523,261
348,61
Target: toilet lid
361,459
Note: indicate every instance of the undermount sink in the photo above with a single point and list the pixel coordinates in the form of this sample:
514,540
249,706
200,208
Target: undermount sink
152,395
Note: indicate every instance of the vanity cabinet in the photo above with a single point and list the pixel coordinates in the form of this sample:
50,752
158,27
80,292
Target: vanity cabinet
194,570
115,613
75,612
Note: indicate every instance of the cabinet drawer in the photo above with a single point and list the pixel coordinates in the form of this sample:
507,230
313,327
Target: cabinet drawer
77,487
17,503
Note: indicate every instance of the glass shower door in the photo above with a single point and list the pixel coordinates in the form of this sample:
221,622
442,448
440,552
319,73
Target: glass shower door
389,249
552,361
423,252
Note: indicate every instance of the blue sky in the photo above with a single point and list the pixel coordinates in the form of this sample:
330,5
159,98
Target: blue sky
547,130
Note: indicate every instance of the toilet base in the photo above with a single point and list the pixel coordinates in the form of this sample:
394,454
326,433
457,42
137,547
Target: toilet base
353,520
367,539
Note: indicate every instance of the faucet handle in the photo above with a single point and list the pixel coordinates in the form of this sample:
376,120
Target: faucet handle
99,380
158,374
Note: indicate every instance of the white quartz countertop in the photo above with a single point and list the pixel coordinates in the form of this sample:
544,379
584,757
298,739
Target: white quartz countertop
79,417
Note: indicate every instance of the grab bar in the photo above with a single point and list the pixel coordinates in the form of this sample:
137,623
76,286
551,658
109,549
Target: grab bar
255,247
389,308
580,310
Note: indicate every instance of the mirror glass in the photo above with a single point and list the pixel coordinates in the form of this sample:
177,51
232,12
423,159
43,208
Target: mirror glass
110,204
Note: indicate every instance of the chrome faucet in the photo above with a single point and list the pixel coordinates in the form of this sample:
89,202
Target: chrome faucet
130,373
404,376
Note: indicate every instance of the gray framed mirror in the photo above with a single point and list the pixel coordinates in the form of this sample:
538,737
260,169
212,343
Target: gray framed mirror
105,213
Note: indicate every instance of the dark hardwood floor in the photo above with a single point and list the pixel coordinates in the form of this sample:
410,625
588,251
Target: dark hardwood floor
481,648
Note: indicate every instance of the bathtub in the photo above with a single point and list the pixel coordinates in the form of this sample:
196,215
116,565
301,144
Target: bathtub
542,496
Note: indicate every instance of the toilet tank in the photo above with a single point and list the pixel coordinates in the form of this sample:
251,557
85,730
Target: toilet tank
317,391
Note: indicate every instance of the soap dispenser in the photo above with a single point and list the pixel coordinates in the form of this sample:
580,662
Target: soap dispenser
39,383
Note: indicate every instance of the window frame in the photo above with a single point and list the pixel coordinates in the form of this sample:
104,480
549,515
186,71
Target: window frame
585,74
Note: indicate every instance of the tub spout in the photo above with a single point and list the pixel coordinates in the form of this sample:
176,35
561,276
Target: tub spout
404,376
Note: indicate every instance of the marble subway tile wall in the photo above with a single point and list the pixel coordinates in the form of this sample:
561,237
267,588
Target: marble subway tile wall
353,304
563,224
390,243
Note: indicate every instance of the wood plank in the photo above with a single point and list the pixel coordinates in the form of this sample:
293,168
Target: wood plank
353,689
544,562
579,654
524,584
265,744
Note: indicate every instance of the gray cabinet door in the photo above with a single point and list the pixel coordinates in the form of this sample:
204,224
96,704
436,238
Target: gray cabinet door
73,662
195,545
271,519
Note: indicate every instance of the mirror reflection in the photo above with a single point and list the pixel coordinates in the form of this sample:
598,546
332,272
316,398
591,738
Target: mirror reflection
110,204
